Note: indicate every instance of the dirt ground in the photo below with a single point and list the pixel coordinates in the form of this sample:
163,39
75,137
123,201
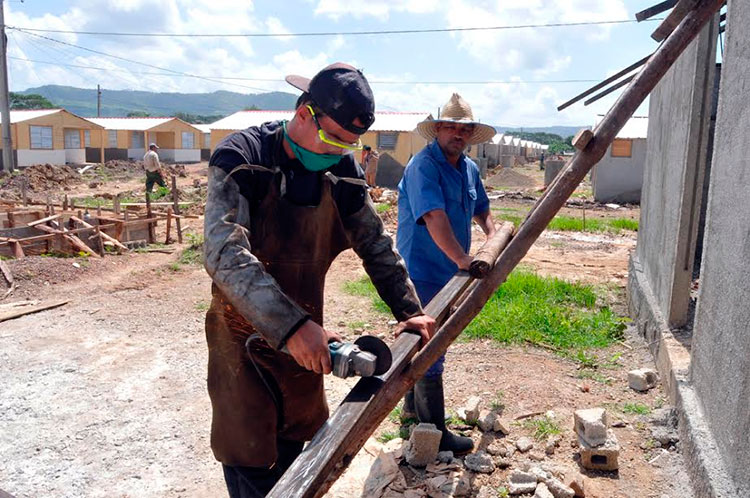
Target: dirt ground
106,396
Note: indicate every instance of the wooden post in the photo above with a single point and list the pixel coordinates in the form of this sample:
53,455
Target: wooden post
65,203
11,219
24,197
339,440
72,203
116,204
126,231
17,249
151,235
487,254
175,201
167,240
99,210
100,245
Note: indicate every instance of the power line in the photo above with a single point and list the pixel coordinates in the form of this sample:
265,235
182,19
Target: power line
280,80
98,52
337,33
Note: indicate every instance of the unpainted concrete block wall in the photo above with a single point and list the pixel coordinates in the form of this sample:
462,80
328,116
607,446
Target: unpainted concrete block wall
620,179
679,118
720,367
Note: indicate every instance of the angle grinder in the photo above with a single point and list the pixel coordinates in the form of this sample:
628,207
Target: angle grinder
368,356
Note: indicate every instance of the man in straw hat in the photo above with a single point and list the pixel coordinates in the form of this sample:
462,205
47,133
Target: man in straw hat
439,195
284,199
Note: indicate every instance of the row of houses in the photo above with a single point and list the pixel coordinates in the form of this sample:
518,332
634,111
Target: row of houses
505,150
57,136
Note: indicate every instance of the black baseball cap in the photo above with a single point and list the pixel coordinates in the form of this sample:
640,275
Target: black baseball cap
341,92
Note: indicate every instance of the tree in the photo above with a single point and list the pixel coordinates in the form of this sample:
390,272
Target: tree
138,114
32,101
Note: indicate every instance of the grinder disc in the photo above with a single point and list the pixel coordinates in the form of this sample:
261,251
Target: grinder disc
380,349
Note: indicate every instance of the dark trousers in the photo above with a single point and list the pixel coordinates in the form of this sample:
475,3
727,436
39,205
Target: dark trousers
426,291
154,177
256,482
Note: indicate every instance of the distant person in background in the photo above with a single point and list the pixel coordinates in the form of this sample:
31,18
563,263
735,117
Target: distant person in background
153,168
369,163
541,161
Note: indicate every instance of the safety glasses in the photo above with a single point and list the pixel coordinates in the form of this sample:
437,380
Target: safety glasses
326,140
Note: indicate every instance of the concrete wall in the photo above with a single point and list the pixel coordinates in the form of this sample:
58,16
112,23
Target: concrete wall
389,172
187,155
720,367
29,157
619,179
679,118
75,156
552,168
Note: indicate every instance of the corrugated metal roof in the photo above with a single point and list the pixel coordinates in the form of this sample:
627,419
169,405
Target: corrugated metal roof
636,127
18,116
498,138
136,124
508,139
516,142
384,121
204,128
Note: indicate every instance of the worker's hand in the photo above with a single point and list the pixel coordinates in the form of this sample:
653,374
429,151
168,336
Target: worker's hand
464,262
424,324
371,166
309,347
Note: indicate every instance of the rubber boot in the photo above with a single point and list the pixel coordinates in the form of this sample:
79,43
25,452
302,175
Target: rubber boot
430,405
408,412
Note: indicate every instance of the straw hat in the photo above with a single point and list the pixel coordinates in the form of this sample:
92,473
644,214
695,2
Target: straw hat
457,110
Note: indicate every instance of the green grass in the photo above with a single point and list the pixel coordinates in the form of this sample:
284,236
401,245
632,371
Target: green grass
542,427
159,193
498,404
382,207
502,492
547,311
364,287
202,306
595,376
636,409
563,223
403,433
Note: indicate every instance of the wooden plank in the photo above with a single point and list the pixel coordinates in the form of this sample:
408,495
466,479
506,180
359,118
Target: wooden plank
43,220
10,315
99,232
654,10
169,225
176,207
11,219
338,441
485,258
582,138
17,249
609,90
75,241
142,204
604,83
674,18
149,214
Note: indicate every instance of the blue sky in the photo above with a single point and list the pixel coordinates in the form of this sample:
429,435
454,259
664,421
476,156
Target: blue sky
404,68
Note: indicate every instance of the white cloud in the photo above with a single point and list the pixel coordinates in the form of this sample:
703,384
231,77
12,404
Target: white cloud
380,9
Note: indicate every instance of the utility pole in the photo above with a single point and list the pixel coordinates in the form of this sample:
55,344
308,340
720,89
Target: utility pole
98,102
5,97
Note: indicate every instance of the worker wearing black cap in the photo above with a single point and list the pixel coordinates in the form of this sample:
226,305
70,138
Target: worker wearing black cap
284,199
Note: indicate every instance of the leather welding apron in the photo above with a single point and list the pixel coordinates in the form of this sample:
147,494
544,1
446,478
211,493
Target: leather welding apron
297,245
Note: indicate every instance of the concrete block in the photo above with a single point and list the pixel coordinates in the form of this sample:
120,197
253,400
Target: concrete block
524,444
424,444
559,489
480,462
486,420
472,408
604,457
520,482
501,425
542,491
575,481
591,425
642,379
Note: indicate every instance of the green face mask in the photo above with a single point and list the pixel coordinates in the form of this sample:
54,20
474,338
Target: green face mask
311,160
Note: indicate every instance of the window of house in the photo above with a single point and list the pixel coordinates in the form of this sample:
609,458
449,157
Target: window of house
387,140
87,138
188,140
112,138
72,139
41,137
622,148
137,140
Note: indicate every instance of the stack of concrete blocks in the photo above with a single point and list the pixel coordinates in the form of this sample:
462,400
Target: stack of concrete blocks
598,445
